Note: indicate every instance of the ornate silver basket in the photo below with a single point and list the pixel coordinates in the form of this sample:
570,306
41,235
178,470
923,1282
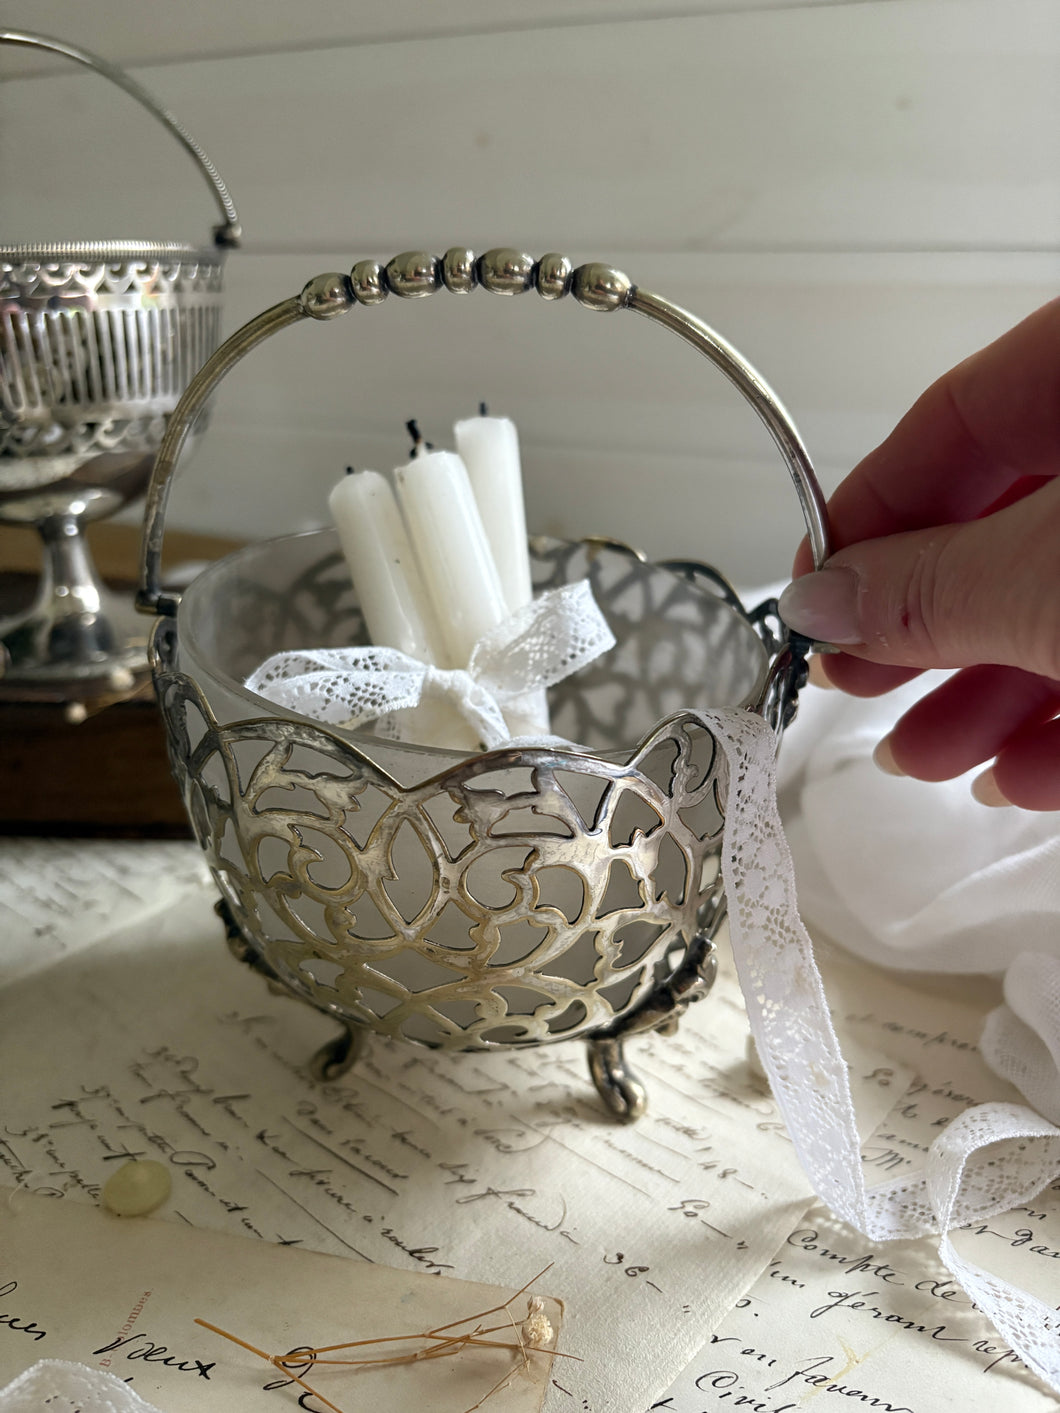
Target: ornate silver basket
98,339
513,898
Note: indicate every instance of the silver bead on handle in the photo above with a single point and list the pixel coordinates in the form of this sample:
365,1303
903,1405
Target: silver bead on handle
415,274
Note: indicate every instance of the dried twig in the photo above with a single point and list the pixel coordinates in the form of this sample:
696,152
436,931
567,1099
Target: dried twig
531,1337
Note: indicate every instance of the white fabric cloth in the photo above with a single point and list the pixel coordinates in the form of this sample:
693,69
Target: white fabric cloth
1021,1039
921,876
989,1159
904,872
63,1387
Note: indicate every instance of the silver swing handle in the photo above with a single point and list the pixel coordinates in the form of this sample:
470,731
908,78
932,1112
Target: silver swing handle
229,233
417,274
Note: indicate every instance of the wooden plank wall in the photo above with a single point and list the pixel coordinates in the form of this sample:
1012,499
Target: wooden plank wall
855,194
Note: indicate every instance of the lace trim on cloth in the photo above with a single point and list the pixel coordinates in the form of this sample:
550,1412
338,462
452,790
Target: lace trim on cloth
63,1387
967,1174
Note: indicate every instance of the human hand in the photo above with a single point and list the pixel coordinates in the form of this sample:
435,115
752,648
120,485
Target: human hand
947,542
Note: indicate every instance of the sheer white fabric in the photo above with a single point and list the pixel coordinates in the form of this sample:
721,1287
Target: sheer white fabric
1021,1039
985,897
62,1387
986,889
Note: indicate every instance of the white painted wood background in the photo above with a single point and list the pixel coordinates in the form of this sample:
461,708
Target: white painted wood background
855,194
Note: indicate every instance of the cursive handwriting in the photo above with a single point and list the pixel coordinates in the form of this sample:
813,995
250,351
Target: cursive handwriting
811,1373
15,1322
144,1348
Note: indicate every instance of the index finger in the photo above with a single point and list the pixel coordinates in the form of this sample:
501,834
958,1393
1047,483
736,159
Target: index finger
987,422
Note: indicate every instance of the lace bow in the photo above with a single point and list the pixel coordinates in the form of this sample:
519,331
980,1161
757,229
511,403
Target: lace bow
534,648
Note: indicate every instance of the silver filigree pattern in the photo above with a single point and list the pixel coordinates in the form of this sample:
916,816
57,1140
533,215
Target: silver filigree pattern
521,897
513,897
94,353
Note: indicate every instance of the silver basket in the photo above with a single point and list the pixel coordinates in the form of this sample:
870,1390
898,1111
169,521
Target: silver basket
509,899
98,340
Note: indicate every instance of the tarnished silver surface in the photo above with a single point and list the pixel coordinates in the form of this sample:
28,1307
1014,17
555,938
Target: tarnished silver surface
368,282
98,339
414,274
458,270
553,276
94,353
514,898
543,925
325,296
599,287
506,271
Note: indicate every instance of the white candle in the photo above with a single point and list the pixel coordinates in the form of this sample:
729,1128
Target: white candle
452,550
397,609
489,448
389,587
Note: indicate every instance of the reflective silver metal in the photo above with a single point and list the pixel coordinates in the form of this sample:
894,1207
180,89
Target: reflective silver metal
326,296
98,339
600,287
413,274
368,282
514,898
506,271
553,276
458,270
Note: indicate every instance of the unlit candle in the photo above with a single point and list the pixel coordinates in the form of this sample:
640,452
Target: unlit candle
389,588
489,448
452,550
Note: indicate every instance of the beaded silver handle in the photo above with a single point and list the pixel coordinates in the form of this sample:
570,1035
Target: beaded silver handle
416,274
229,232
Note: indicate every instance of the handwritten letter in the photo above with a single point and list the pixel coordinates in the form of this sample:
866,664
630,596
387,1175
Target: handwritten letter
486,1167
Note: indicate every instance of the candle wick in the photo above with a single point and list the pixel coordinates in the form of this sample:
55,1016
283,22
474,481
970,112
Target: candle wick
349,471
418,444
483,410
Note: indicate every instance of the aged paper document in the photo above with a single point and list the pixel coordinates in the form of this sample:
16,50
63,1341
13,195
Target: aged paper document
123,1294
59,896
834,1322
487,1167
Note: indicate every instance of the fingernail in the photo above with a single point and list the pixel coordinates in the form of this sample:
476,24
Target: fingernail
883,756
985,790
823,606
818,676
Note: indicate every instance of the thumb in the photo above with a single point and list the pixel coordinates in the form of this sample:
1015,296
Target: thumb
987,591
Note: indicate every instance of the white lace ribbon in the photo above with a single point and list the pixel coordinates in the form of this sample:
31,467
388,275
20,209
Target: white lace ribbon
965,1176
989,1159
63,1387
541,644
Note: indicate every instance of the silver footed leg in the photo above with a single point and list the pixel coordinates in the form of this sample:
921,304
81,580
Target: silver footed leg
616,1084
336,1057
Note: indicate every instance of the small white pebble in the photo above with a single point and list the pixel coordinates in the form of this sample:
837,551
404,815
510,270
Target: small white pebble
138,1187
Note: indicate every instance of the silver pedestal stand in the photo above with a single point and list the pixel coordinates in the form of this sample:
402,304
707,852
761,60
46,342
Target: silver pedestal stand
98,340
